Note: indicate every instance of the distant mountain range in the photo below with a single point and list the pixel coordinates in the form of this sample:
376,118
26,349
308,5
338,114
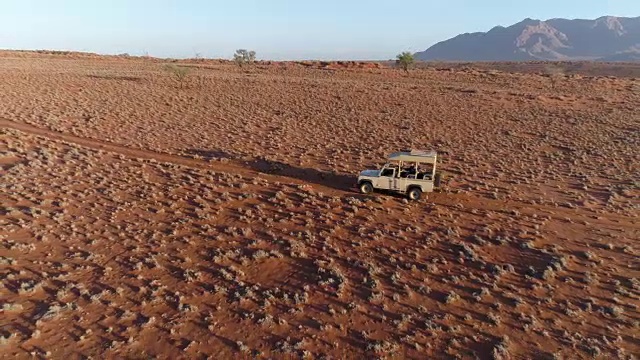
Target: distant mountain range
608,38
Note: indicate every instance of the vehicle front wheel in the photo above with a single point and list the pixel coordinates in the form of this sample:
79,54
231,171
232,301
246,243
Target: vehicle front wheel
366,188
415,194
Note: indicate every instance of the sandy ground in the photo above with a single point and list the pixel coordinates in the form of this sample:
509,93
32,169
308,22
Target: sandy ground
141,218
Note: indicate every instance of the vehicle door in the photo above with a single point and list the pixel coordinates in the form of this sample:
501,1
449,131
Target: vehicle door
403,179
387,178
399,184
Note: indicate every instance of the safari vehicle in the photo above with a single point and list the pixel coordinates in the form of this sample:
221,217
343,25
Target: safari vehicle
408,172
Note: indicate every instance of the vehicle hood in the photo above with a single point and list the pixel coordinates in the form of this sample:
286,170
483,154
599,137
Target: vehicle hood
370,173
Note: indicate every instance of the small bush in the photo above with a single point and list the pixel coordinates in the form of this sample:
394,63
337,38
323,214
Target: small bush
554,72
179,72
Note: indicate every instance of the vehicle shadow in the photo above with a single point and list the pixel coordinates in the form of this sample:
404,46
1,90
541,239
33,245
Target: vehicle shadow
310,175
329,179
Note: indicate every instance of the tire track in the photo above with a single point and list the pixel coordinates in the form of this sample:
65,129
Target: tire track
232,168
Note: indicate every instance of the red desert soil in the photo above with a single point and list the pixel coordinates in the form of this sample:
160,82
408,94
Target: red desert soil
139,219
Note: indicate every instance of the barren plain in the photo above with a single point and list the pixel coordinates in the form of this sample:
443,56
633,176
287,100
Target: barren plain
144,219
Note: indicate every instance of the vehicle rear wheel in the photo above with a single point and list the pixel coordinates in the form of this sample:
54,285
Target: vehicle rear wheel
366,188
415,194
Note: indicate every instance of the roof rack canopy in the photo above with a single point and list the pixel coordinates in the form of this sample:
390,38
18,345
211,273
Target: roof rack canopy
419,156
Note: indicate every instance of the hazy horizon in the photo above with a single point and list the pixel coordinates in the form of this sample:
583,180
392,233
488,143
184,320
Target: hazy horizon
276,30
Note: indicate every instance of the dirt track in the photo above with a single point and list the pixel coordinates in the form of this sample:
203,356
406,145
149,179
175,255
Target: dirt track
139,219
152,155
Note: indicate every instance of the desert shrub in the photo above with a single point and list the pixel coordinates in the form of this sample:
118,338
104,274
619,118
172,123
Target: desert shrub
244,57
554,72
615,311
53,52
452,297
180,73
405,60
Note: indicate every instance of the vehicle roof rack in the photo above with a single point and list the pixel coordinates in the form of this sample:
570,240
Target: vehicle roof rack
420,156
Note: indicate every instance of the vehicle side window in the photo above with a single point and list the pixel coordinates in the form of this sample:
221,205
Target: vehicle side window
388,172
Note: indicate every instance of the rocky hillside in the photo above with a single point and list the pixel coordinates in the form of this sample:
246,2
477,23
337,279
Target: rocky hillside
605,39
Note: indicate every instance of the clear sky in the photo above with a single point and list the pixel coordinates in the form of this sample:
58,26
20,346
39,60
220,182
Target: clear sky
275,29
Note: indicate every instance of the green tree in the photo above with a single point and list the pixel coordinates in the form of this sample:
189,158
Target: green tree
405,60
243,57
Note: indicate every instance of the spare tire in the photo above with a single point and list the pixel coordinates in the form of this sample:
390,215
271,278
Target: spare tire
437,180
